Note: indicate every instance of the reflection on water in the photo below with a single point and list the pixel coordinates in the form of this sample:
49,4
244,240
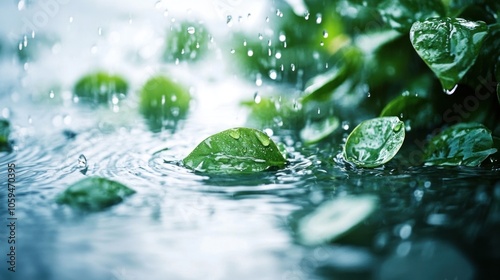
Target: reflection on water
185,225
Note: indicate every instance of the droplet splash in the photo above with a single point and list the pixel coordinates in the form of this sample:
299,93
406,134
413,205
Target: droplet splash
82,164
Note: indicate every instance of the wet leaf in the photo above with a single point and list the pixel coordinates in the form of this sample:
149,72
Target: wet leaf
413,110
186,41
401,14
462,144
315,131
236,150
100,87
274,112
94,194
4,134
335,218
163,102
374,142
448,46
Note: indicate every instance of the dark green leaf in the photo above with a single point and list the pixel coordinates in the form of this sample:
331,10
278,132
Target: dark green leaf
374,142
416,112
94,194
186,41
100,87
462,144
4,134
448,46
163,102
236,150
335,218
401,14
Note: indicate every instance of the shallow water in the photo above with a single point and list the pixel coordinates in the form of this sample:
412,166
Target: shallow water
431,223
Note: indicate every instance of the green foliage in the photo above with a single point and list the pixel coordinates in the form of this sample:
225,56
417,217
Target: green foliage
100,88
274,112
449,46
374,142
236,150
94,194
401,14
335,218
163,102
4,135
186,41
417,112
462,144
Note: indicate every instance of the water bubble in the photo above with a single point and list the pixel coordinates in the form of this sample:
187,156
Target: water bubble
321,43
99,31
405,231
70,19
264,139
273,74
244,43
250,53
451,91
235,134
191,30
82,164
269,43
256,97
269,52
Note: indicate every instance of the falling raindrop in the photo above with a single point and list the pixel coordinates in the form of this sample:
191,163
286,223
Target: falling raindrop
232,51
345,125
21,5
273,74
250,53
229,20
258,80
260,36
282,37
278,55
325,34
451,91
191,30
256,97
51,94
319,18
307,15
292,66
82,164
99,31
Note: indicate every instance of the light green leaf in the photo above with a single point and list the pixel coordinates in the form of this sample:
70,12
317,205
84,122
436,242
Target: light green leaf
4,135
100,88
448,46
236,150
186,41
94,194
274,112
315,131
401,14
462,144
163,102
416,112
335,218
374,142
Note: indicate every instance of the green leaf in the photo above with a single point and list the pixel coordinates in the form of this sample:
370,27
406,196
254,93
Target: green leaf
335,218
448,46
94,194
274,112
374,142
462,144
315,131
4,135
163,102
100,88
236,150
416,112
186,41
401,14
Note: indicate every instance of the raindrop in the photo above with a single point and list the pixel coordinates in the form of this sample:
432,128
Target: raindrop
250,53
307,15
99,31
25,41
279,13
269,132
115,99
345,125
229,20
235,134
260,36
319,111
267,19
397,127
269,43
232,51
51,94
256,97
292,67
319,18
282,37
264,140
191,30
273,74
21,5
451,91
277,55
258,80
82,164
418,194
70,19
325,34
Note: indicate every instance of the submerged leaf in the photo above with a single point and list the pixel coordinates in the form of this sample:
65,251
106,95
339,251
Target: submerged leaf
335,218
448,46
100,87
462,144
374,142
4,134
163,102
236,150
94,194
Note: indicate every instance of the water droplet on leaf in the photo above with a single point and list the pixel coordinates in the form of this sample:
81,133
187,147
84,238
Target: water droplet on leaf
235,134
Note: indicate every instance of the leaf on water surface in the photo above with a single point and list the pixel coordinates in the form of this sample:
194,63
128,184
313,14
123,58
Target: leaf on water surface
448,46
462,144
94,194
315,131
335,218
100,87
374,142
236,150
4,134
415,111
401,14
163,101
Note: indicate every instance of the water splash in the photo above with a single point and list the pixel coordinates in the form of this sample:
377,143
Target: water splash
82,164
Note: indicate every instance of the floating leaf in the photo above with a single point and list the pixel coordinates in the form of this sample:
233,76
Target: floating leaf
315,131
100,87
235,150
335,218
4,135
94,194
401,14
415,111
374,142
163,102
448,46
186,41
462,144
